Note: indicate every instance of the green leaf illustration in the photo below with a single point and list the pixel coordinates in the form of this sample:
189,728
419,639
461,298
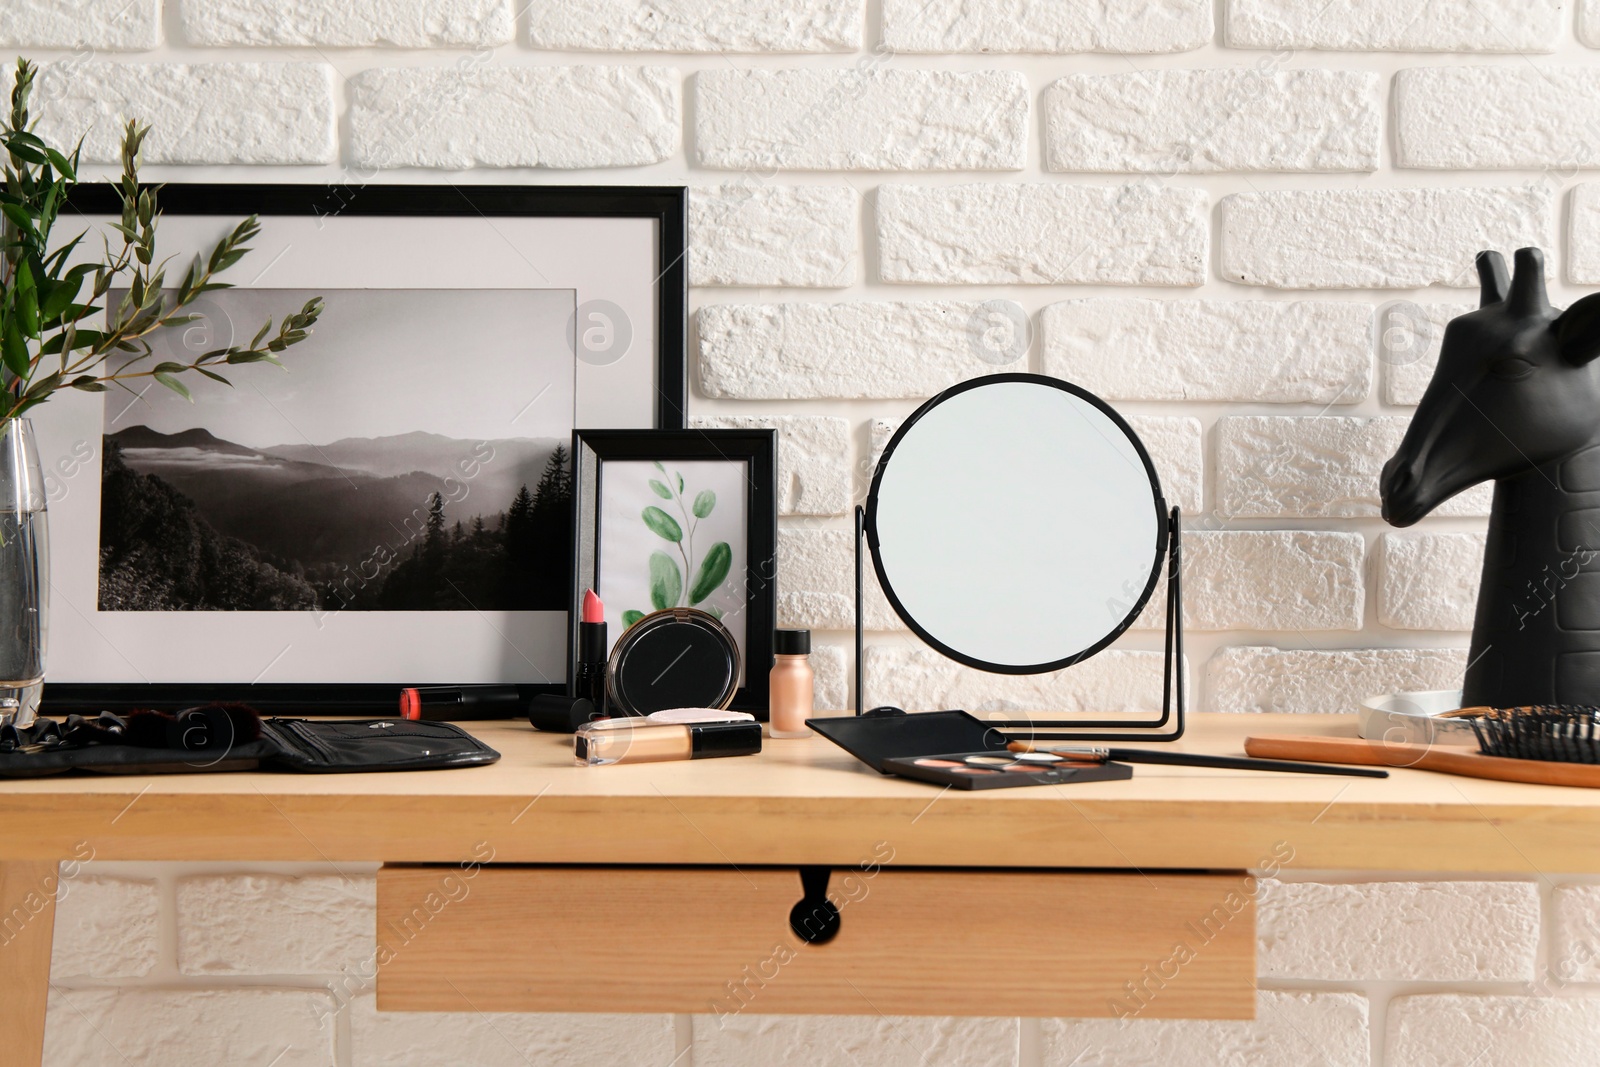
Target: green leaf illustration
680,483
713,569
666,581
631,617
715,613
660,490
662,524
659,467
703,503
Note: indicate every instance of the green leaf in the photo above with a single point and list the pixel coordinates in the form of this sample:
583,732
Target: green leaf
666,581
659,467
713,569
170,368
20,217
662,524
44,386
660,490
87,383
680,483
13,350
703,503
26,296
631,617
215,377
26,153
176,386
67,170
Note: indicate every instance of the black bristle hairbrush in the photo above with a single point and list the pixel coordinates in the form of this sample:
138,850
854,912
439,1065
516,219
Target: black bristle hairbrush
1562,733
1542,745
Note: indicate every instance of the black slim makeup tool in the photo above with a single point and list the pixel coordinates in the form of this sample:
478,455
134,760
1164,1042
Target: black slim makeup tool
1098,754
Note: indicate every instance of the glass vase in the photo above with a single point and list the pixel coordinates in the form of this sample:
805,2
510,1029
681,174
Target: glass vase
24,573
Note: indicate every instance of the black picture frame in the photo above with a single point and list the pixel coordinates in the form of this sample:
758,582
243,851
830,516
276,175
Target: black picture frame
758,450
666,205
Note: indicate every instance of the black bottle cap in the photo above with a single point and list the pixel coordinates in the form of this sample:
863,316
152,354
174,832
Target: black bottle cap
559,713
792,643
708,739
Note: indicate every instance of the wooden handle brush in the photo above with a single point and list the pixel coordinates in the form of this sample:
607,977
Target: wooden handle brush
1538,745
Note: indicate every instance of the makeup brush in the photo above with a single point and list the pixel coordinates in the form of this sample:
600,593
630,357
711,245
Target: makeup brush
1542,744
1096,754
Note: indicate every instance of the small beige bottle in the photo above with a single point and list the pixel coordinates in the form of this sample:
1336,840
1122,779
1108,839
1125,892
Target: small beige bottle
791,684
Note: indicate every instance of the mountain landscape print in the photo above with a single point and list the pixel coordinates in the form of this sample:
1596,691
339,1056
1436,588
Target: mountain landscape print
256,498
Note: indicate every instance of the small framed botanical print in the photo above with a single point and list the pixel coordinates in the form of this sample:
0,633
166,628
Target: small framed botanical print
680,519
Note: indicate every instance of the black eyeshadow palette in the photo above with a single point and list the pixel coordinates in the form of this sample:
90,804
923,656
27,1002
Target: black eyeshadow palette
1001,770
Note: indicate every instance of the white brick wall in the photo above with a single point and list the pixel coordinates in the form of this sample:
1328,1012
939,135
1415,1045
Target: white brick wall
514,117
887,119
719,26
316,924
1429,581
860,349
1433,1031
1253,351
881,1040
1042,234
1245,679
102,25
1375,238
1485,117
1398,931
1397,25
868,181
1206,121
747,233
393,23
198,113
1020,26
106,928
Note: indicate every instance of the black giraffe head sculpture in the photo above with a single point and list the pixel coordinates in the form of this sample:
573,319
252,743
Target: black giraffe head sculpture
1516,398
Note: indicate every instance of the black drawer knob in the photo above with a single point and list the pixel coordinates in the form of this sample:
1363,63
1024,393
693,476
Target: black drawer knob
814,919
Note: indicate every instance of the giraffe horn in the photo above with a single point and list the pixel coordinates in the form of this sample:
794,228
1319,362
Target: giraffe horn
1493,280
1527,284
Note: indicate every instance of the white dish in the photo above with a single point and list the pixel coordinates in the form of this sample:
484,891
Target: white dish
1412,718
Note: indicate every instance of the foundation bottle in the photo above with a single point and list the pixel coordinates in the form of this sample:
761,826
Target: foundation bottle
790,684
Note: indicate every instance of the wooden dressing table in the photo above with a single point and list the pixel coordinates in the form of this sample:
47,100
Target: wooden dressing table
537,885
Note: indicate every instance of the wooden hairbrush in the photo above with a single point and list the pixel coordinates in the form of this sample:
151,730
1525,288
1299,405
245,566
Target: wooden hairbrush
1542,745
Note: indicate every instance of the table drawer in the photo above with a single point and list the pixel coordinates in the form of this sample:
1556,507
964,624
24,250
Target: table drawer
907,941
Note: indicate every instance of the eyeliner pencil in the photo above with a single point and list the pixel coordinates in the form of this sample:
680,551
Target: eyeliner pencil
1097,754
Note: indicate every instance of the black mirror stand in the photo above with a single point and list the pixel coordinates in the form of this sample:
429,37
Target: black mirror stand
1173,703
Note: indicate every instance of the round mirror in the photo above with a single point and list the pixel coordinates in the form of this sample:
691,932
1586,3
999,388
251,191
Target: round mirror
1016,523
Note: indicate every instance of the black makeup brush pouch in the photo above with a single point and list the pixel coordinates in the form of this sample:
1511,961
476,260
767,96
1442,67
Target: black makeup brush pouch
233,737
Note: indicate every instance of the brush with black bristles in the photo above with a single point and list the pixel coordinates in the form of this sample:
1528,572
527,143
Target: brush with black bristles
1544,744
1562,733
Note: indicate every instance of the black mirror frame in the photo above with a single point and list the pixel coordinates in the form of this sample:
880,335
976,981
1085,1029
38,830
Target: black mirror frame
1170,723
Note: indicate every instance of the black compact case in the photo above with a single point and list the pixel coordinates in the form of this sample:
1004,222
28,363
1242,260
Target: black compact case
936,746
676,658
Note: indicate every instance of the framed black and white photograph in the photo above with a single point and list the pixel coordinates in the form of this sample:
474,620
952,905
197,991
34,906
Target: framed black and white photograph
681,519
393,506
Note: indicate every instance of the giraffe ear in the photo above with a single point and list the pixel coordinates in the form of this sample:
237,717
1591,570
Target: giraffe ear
1493,281
1578,330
